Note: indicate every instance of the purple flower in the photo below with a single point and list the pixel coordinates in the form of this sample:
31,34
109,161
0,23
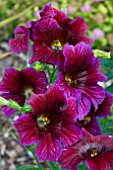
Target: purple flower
80,76
97,34
20,42
90,122
18,85
86,8
49,124
95,151
52,32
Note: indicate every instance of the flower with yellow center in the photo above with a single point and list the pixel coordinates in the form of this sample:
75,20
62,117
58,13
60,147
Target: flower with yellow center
57,45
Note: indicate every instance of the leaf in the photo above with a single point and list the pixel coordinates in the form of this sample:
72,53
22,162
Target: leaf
27,168
12,18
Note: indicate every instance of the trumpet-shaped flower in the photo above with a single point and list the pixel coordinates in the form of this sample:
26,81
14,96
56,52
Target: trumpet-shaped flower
52,32
18,85
49,124
95,151
90,122
80,76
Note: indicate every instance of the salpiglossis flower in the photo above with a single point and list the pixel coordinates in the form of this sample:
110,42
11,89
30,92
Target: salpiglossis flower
49,124
80,76
52,32
90,122
18,85
95,151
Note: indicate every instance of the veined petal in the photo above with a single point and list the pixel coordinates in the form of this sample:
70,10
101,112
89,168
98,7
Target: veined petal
78,57
55,97
98,163
38,103
78,28
44,54
37,80
93,126
69,134
20,42
10,84
26,127
49,148
47,11
104,108
84,106
70,159
95,93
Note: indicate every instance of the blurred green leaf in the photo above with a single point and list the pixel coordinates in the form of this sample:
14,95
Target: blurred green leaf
12,18
27,168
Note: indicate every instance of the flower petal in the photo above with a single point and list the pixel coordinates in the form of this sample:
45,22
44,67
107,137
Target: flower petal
98,163
104,108
78,57
78,28
49,148
38,103
20,42
69,159
55,97
69,134
26,126
84,106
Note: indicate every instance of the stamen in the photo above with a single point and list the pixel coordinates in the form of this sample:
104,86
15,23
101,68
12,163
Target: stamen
94,154
43,121
87,118
57,45
68,79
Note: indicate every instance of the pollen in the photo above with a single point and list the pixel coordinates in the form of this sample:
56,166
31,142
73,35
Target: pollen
46,120
87,118
43,121
69,80
57,45
94,154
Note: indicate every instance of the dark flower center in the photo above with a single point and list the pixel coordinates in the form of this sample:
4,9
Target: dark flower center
57,45
43,121
69,80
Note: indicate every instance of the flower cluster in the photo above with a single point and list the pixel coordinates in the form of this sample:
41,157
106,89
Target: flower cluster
63,116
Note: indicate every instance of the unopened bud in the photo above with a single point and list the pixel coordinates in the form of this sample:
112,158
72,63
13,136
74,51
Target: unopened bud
102,54
3,101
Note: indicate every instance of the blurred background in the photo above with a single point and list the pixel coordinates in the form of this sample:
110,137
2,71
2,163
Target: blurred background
98,14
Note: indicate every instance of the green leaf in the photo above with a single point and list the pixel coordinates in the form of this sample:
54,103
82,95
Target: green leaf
110,89
12,18
27,168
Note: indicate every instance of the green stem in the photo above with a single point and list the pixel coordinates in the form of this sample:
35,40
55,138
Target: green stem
52,78
31,149
51,165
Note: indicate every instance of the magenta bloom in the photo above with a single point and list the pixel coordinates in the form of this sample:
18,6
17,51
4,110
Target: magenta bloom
20,42
18,85
90,122
80,75
95,151
52,32
49,124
